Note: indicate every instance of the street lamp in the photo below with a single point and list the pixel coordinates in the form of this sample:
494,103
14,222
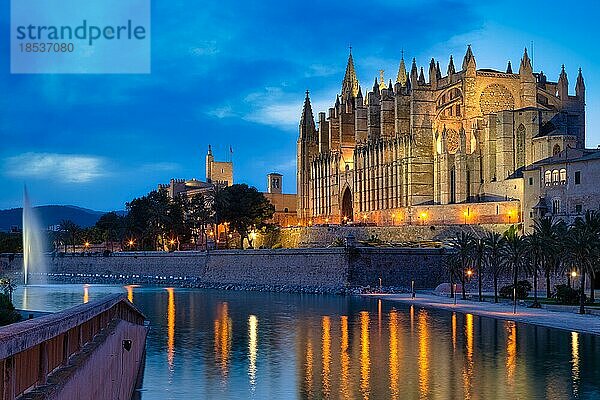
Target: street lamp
393,217
423,216
466,215
87,246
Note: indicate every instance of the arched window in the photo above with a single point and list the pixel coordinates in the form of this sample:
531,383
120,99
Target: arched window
563,176
548,178
556,149
555,176
286,210
520,146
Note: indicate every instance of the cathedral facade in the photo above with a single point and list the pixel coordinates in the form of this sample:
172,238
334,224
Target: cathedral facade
447,149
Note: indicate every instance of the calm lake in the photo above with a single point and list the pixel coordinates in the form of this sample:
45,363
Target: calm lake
238,345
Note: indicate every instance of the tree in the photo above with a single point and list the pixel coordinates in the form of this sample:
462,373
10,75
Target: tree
494,248
463,245
550,235
244,208
70,230
514,252
536,257
582,245
199,214
112,227
479,255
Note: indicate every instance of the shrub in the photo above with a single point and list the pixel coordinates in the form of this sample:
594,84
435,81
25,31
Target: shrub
523,289
567,295
8,314
338,242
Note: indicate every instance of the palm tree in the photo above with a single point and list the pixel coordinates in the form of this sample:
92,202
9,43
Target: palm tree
514,253
462,243
583,244
493,251
535,247
479,255
550,235
70,229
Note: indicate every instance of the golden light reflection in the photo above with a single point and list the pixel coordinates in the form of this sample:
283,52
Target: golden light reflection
223,335
468,368
379,315
575,363
171,327
511,352
412,320
345,360
454,331
308,378
394,360
326,339
423,355
252,348
365,360
86,293
129,289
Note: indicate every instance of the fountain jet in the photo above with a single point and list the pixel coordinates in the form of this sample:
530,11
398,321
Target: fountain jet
33,244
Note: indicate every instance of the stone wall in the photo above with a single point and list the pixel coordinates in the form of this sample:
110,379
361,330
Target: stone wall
322,236
317,270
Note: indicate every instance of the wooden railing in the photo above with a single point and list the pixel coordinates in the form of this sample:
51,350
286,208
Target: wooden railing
32,349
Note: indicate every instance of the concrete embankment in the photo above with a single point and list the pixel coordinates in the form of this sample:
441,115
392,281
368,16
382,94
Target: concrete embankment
331,270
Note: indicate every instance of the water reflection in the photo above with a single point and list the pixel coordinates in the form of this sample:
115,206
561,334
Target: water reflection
228,345
575,362
223,337
170,328
326,356
423,355
86,293
394,358
252,349
468,366
344,360
365,359
511,352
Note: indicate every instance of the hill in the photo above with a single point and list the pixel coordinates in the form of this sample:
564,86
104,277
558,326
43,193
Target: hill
51,215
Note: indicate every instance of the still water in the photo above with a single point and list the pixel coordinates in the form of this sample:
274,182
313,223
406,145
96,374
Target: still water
239,345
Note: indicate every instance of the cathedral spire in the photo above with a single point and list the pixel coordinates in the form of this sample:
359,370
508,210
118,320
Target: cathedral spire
421,77
468,58
350,82
525,63
580,85
414,73
509,68
402,75
438,73
563,84
307,120
451,70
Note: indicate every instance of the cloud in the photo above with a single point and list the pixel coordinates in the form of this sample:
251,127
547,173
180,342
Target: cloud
221,112
67,168
207,48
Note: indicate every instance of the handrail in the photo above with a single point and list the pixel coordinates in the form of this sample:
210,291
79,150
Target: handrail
20,336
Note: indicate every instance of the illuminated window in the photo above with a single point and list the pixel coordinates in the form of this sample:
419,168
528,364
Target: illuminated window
555,176
563,176
548,178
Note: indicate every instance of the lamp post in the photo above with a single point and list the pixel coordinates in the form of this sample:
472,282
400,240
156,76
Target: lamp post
87,246
573,275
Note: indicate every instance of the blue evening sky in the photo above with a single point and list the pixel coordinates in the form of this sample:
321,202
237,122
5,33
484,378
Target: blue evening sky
235,72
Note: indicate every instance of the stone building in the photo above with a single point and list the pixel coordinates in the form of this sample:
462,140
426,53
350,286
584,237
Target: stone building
449,149
217,173
284,203
563,186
